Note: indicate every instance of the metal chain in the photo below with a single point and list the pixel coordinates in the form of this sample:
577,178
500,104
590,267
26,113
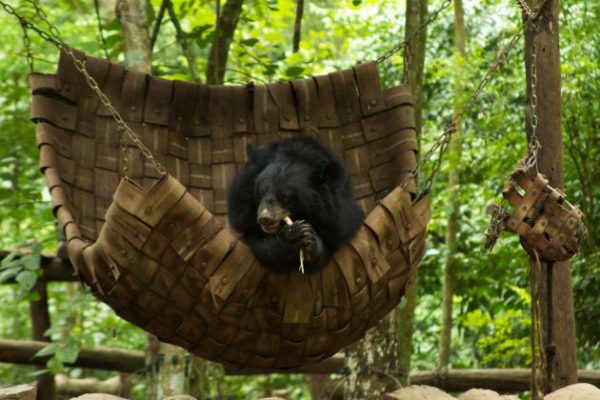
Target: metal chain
27,45
401,45
533,144
53,36
440,146
124,150
525,8
43,34
442,143
80,65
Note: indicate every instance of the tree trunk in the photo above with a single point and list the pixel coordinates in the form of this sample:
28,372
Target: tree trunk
416,12
555,296
203,376
134,27
172,371
152,360
372,363
219,51
167,377
40,320
454,155
76,387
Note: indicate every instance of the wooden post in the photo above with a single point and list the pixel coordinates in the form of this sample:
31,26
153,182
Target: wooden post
416,14
556,297
40,323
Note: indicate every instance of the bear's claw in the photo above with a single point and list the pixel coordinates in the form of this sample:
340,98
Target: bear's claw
300,234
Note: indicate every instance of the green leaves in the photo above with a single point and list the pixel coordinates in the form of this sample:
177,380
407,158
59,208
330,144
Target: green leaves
294,71
249,42
23,268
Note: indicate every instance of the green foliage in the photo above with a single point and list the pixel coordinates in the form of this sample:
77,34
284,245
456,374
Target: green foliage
580,53
24,269
501,341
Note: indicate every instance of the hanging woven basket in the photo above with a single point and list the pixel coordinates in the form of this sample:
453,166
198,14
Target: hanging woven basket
541,215
157,249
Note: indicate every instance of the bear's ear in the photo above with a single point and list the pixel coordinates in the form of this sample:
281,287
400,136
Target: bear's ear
328,173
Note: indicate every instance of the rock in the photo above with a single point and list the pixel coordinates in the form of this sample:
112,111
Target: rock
578,391
98,396
484,394
21,392
180,397
415,392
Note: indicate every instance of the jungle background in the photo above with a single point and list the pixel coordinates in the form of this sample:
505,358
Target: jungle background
490,322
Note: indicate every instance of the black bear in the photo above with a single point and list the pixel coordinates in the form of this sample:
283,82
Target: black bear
302,179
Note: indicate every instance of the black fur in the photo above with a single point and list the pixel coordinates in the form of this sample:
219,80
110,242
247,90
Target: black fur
303,178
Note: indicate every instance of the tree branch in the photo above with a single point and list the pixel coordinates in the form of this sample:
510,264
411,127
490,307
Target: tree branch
298,25
219,51
158,23
187,52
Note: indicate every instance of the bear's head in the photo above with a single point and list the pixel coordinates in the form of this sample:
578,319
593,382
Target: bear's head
300,179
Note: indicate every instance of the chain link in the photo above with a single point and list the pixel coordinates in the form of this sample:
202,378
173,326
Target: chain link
401,45
442,143
27,45
53,36
124,150
440,146
533,144
525,8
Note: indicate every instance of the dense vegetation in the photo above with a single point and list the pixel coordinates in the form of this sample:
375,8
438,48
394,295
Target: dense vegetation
491,319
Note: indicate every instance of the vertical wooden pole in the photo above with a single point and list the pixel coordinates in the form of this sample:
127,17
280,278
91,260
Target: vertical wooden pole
416,14
556,296
40,322
453,198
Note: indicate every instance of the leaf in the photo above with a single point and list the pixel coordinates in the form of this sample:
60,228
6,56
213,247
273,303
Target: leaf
9,273
249,42
31,262
27,279
8,259
70,352
46,351
270,69
54,365
294,71
38,372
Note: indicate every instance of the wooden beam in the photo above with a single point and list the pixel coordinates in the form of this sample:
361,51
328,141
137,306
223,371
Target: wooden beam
556,295
112,359
75,387
332,365
499,380
456,380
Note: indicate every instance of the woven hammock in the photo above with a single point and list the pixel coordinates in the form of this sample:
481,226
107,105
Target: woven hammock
157,249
